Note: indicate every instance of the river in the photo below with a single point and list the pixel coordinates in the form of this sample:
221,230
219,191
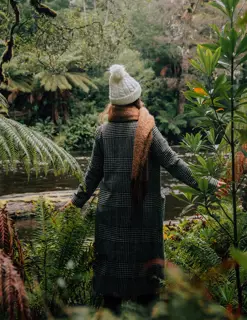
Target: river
15,183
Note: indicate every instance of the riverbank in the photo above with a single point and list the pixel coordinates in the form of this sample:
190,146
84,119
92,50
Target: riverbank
22,206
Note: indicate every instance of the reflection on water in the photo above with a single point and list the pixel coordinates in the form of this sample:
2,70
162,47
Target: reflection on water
17,182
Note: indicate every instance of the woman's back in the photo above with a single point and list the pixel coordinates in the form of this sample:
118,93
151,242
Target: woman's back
117,141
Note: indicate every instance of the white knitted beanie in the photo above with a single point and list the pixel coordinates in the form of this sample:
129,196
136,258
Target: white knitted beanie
123,89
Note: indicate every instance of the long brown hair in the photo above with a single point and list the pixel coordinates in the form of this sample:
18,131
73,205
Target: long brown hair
103,115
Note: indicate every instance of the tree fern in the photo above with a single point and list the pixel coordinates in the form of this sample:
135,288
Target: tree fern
21,144
64,81
17,79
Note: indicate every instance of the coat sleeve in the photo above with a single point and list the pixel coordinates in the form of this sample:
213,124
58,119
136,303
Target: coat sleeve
170,160
93,175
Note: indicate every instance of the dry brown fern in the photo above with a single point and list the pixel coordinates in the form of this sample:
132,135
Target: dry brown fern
13,297
9,241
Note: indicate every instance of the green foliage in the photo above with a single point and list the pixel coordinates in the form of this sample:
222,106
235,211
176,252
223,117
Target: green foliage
240,257
162,103
64,81
46,127
80,132
76,135
170,122
58,258
193,143
182,300
4,106
18,79
21,144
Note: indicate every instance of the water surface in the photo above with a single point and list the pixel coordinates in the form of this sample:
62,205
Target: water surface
17,182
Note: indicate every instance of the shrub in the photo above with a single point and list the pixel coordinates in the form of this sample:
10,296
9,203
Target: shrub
80,133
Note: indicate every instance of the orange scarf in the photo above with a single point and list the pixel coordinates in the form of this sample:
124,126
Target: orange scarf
142,143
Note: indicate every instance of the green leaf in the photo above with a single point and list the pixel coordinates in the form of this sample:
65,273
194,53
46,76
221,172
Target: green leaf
202,56
202,161
186,189
219,5
211,46
203,184
226,47
241,89
240,257
221,79
209,62
189,208
215,58
242,60
242,46
211,136
196,65
242,20
223,64
235,3
233,38
216,29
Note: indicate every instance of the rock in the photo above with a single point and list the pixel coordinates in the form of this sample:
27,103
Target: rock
23,205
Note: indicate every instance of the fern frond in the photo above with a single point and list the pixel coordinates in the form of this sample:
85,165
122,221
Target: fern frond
19,143
78,80
4,106
9,241
17,79
88,81
13,298
198,254
15,143
6,238
62,162
63,83
61,249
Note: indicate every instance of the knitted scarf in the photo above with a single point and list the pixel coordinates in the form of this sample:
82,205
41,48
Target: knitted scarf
142,143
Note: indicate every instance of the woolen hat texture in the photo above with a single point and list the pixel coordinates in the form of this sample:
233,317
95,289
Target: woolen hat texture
123,89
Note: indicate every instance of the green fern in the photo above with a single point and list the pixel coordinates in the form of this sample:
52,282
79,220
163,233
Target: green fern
4,106
64,81
17,79
19,143
60,255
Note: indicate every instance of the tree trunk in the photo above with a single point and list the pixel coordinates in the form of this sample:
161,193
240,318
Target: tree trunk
55,114
107,13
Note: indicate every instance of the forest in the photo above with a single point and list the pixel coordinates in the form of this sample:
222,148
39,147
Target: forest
190,57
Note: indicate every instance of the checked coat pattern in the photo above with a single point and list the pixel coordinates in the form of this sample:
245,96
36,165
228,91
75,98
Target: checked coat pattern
128,244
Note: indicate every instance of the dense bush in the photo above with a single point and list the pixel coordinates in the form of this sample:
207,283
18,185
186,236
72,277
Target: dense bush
76,135
80,133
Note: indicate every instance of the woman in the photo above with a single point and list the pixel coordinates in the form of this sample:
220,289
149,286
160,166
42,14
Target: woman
126,159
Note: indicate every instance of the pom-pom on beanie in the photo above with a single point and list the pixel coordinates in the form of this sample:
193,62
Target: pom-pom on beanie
123,89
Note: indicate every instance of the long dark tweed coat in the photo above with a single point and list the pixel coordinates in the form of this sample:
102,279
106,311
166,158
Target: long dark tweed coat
128,244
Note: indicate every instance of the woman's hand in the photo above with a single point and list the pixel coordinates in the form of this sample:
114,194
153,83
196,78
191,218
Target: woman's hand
222,189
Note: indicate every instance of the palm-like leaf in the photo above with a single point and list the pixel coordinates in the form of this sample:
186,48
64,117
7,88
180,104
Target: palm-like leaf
18,79
64,81
18,143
